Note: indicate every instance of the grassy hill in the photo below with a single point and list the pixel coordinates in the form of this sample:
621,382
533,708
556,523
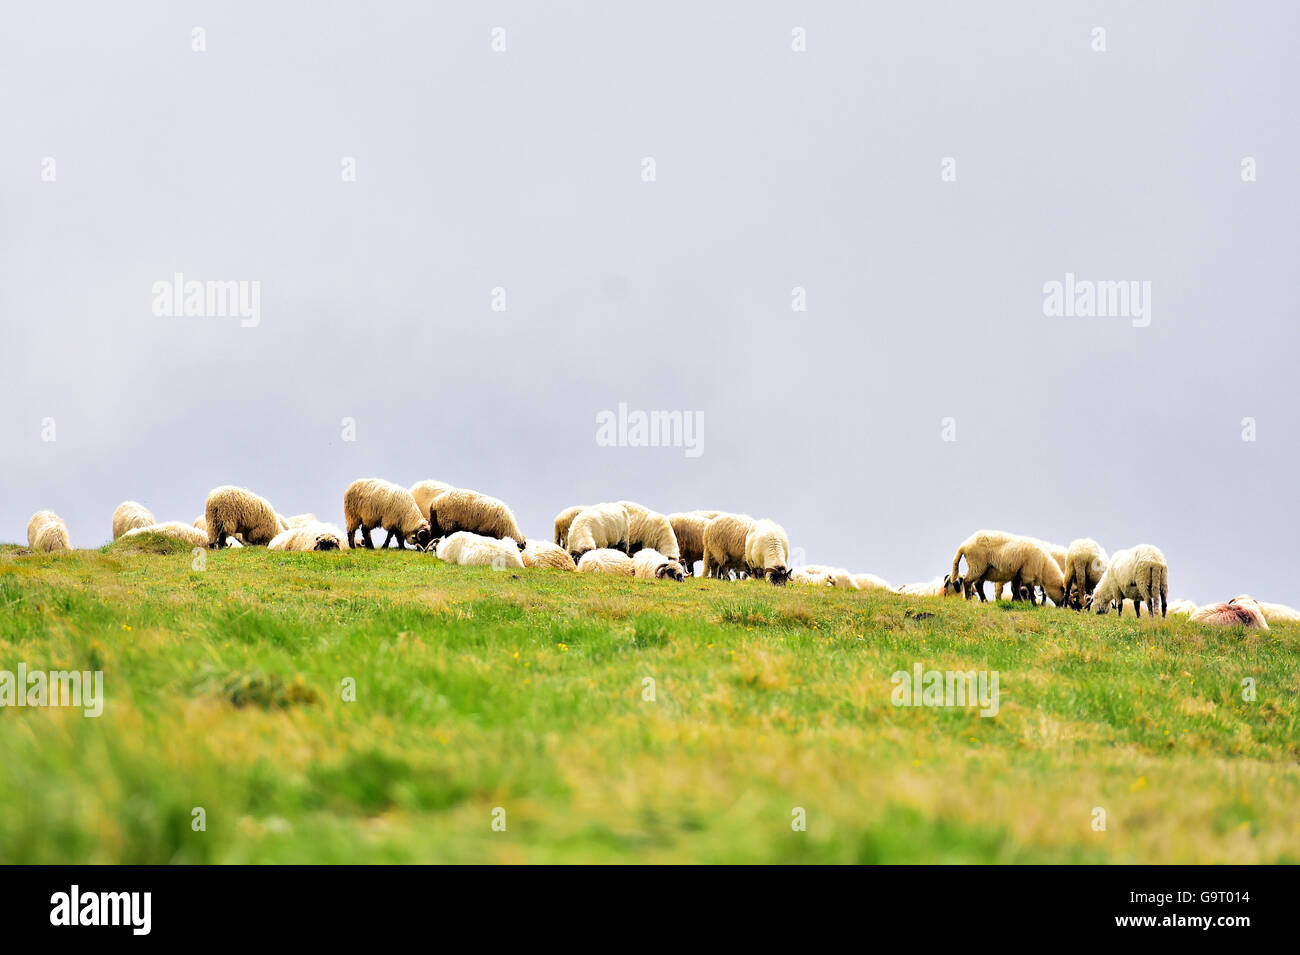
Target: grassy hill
478,689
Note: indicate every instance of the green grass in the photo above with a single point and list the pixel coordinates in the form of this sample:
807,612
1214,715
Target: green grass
477,689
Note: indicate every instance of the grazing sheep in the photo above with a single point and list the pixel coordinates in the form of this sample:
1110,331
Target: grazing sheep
606,560
724,544
543,554
598,527
236,511
647,528
688,528
1139,573
649,564
1182,608
318,536
1273,613
46,532
1059,554
1002,558
871,582
563,520
1085,562
475,550
176,530
1239,611
130,514
767,552
460,509
373,502
426,492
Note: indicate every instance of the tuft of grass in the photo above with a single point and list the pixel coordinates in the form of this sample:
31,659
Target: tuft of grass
383,707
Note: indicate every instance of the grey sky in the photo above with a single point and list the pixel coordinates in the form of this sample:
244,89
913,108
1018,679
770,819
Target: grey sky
775,169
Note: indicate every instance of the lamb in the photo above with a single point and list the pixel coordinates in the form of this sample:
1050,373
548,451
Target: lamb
308,537
647,528
1085,562
563,521
475,550
688,528
606,560
459,509
426,492
237,511
130,514
373,502
1139,573
542,554
176,530
1273,613
871,582
598,527
1001,558
649,564
767,552
1239,611
47,533
724,544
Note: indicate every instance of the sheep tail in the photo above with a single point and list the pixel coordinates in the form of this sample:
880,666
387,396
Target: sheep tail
956,562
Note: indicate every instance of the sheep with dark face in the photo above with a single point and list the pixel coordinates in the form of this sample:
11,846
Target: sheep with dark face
599,527
308,537
373,502
767,553
1085,563
724,544
237,512
1139,573
460,509
1006,558
649,564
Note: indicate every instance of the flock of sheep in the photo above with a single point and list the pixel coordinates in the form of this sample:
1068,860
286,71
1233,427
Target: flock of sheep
467,527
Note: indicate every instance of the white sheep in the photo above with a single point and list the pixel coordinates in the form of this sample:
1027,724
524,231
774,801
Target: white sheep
724,544
598,527
475,550
369,503
1273,613
130,514
236,511
46,533
303,520
1181,608
606,560
767,552
176,530
1007,558
563,521
308,537
542,554
647,528
938,587
426,492
871,582
460,509
1139,573
649,564
1239,611
1085,562
688,528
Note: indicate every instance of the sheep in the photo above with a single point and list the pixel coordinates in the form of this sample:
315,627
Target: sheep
130,514
1139,573
302,520
1059,554
650,564
815,578
606,560
938,587
543,554
47,533
1085,562
647,528
201,522
475,550
373,502
307,537
871,582
1183,608
176,530
426,492
1273,613
460,509
688,528
1001,558
238,512
767,552
724,544
563,521
1239,611
598,527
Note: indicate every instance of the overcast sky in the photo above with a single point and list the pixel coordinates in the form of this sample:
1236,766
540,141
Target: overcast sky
774,169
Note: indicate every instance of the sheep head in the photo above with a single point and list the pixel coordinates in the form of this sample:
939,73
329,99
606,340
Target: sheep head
326,542
954,586
421,536
778,576
671,570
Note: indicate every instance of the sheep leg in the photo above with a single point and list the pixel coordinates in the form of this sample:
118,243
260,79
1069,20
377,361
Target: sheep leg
366,539
388,539
401,543
352,530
